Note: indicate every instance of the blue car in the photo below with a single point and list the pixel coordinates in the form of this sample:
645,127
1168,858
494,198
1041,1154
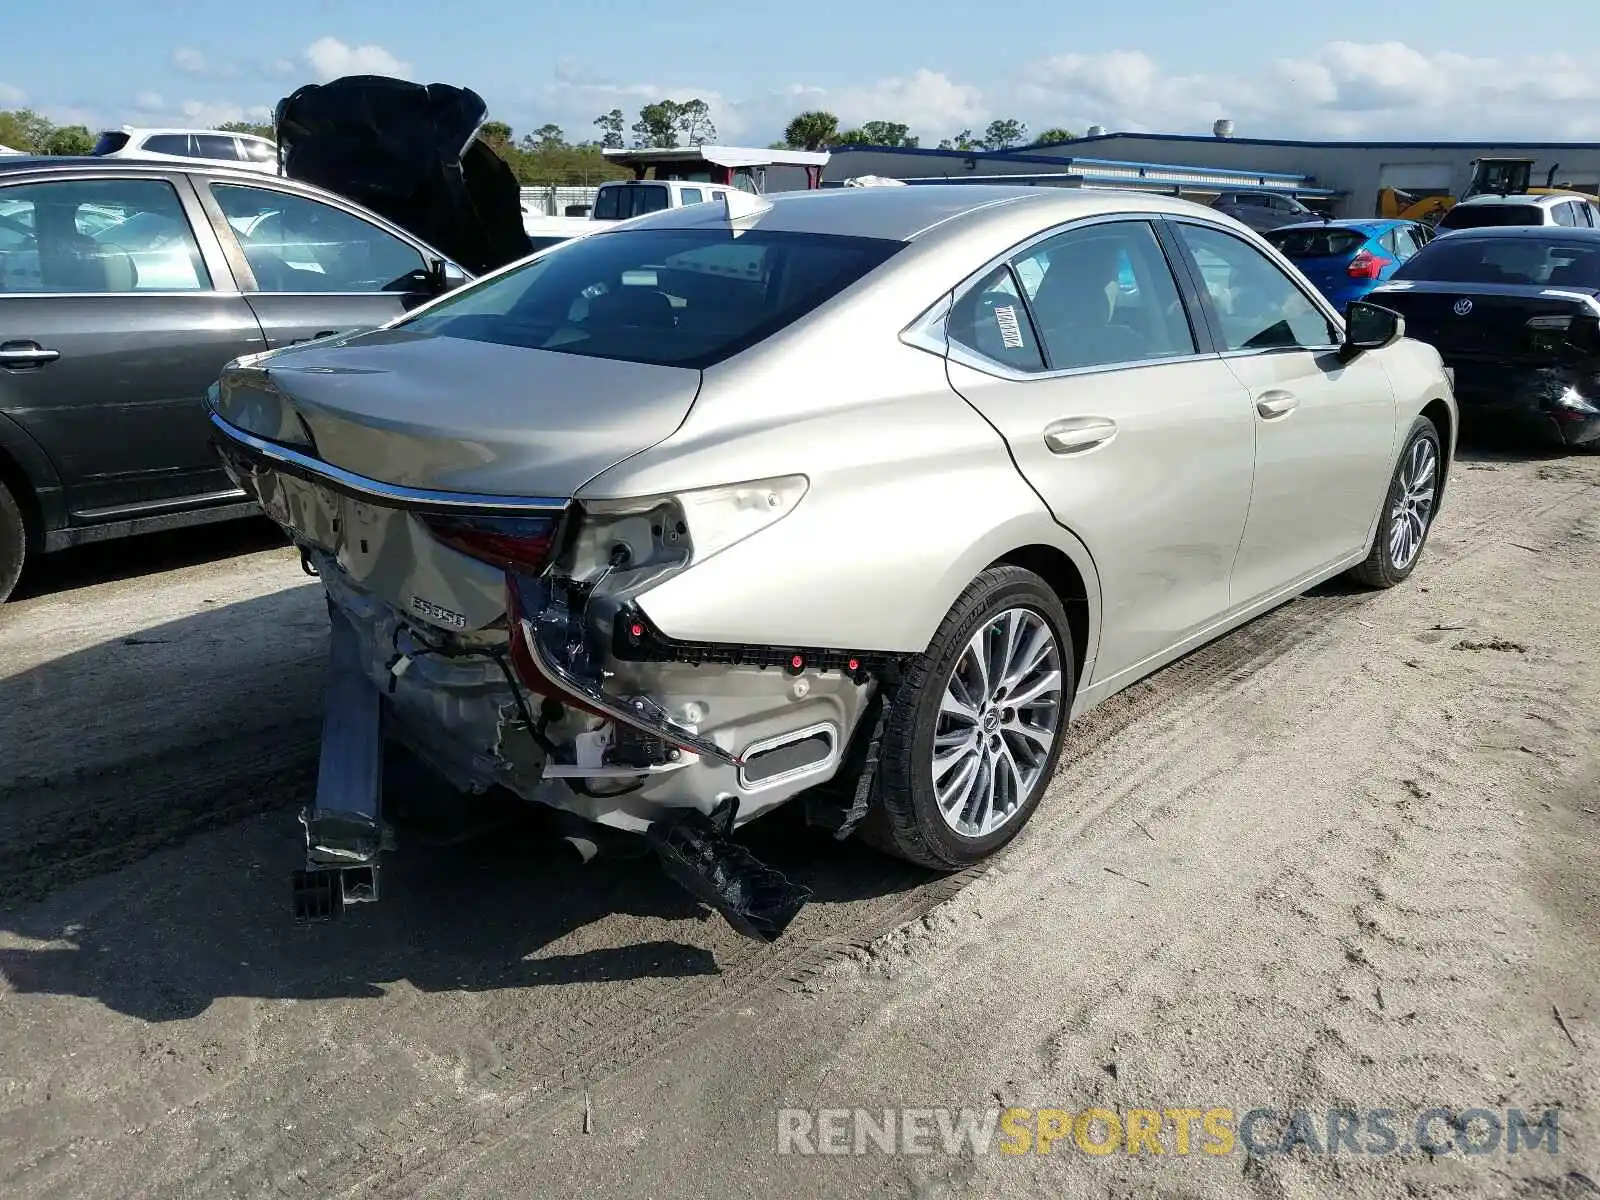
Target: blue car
1347,259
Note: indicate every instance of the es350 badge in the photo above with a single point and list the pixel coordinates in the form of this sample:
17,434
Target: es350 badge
437,614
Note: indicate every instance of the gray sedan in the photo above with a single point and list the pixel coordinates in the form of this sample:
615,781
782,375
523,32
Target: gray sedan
125,287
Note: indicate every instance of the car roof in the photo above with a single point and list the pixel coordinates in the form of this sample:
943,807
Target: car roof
40,164
906,214
1534,232
1514,198
147,130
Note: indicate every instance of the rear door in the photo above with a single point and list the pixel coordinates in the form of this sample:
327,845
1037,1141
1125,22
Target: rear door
1324,429
310,267
117,312
1080,351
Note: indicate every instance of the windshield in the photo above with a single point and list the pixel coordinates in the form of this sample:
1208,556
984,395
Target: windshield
1484,216
1316,243
1507,260
679,297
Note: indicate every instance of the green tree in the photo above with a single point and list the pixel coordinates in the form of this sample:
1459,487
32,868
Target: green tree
962,141
23,129
1054,135
252,127
496,134
814,130
69,139
610,126
546,137
888,133
657,126
1004,133
694,122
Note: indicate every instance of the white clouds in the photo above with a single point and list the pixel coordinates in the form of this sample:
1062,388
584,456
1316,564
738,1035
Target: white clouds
1341,89
189,61
331,58
12,95
205,114
925,100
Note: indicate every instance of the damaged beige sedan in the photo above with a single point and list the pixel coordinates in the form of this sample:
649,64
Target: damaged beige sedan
850,496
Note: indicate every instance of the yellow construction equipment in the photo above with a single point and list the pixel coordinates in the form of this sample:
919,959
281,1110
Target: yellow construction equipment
1490,176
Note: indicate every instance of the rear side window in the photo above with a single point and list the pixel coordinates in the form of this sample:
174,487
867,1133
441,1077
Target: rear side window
1508,260
1484,216
678,297
110,142
991,320
169,143
621,201
1316,243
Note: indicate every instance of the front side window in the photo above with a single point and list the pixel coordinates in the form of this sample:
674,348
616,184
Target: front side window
1103,295
217,145
672,297
103,235
1257,306
295,244
257,151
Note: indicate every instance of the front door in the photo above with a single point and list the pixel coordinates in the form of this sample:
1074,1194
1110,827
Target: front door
112,327
1081,353
1324,429
317,269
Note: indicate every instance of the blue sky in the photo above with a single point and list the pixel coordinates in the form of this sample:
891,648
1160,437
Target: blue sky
1356,68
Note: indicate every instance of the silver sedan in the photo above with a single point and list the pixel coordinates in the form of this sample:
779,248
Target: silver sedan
860,494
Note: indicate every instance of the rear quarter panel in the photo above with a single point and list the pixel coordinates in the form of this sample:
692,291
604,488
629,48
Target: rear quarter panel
911,495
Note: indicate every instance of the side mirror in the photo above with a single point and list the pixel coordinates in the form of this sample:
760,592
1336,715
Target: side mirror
1369,327
1583,335
444,277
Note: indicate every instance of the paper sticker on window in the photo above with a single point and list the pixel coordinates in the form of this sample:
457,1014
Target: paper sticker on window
1010,331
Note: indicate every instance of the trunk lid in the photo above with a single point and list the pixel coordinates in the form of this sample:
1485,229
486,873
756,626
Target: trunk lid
1488,321
444,414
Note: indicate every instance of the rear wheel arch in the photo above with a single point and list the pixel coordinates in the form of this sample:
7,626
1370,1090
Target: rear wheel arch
21,487
1438,412
1064,577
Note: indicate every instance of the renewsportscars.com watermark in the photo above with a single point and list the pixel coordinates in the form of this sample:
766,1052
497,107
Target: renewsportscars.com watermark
1166,1131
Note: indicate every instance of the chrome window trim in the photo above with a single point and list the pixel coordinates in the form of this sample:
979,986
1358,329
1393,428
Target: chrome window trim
305,464
929,332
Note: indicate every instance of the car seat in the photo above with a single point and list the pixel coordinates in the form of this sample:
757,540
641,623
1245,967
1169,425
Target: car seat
1076,307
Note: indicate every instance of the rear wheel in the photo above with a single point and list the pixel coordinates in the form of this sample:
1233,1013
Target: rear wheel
976,725
13,542
1408,510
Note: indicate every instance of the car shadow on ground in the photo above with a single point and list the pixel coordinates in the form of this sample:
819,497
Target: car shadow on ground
161,873
147,554
164,939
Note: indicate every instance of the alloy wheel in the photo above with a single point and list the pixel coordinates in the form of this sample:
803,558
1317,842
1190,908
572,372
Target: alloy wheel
999,717
1413,507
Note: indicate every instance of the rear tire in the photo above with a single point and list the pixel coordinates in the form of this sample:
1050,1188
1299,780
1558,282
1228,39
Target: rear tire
1408,509
13,542
1006,637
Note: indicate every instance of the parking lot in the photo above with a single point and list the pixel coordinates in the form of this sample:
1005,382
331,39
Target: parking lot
1344,855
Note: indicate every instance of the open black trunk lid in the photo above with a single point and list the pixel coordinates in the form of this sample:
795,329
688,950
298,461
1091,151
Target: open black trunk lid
409,152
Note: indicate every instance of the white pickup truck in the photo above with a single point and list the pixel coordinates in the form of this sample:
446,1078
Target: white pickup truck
634,197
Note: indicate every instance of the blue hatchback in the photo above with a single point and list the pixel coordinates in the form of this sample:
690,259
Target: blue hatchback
1347,259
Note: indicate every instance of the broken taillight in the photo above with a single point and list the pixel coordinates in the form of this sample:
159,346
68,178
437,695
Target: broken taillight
1366,265
512,543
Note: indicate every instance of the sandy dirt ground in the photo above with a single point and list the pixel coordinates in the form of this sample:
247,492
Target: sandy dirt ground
1347,857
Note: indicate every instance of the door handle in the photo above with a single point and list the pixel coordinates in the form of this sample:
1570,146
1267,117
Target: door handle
1073,434
1276,404
17,355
